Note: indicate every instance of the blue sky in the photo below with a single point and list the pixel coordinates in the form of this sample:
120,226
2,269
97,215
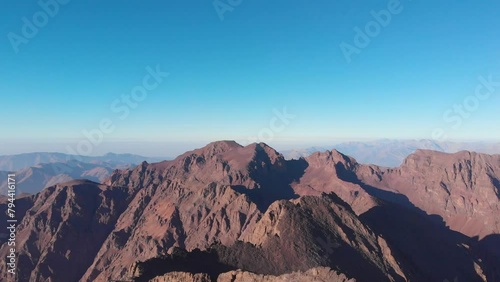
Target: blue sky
227,77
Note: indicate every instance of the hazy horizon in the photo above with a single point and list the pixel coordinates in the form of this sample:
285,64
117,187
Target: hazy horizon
174,149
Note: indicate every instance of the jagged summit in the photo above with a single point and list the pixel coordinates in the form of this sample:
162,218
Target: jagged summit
334,156
218,147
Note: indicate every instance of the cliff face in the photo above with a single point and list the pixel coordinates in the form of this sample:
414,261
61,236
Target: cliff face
462,188
269,216
63,229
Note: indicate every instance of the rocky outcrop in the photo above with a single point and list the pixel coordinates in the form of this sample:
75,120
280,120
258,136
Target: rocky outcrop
182,276
320,274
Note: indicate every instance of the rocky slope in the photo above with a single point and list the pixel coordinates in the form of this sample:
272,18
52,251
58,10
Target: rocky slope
63,228
268,216
331,171
292,236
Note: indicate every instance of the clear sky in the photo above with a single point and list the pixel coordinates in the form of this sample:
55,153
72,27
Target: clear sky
231,70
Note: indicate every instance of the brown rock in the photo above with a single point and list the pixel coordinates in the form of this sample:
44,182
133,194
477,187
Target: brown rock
320,274
462,188
182,277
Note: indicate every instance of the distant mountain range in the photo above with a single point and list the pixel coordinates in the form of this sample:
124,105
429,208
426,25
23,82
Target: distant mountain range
33,179
20,161
232,213
391,153
35,171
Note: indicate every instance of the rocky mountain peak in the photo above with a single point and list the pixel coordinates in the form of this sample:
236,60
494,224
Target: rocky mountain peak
332,157
216,148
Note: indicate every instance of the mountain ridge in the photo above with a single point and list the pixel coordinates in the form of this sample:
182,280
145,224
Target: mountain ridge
227,194
391,153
